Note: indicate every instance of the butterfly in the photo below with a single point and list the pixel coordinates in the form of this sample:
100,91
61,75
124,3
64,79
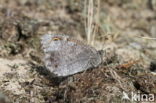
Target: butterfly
64,56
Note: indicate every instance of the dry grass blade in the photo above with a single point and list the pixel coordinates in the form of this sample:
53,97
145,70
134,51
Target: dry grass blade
92,20
149,38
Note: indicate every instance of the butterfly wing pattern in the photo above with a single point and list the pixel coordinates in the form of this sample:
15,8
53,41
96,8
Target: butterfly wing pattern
65,56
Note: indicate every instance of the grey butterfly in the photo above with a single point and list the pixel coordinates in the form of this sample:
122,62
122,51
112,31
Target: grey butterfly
66,56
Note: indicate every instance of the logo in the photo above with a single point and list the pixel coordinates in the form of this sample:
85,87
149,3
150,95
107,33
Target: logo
139,97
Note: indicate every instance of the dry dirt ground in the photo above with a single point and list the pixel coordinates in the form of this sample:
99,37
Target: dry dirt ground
129,60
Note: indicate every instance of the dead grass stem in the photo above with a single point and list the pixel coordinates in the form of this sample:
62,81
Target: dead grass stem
92,20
